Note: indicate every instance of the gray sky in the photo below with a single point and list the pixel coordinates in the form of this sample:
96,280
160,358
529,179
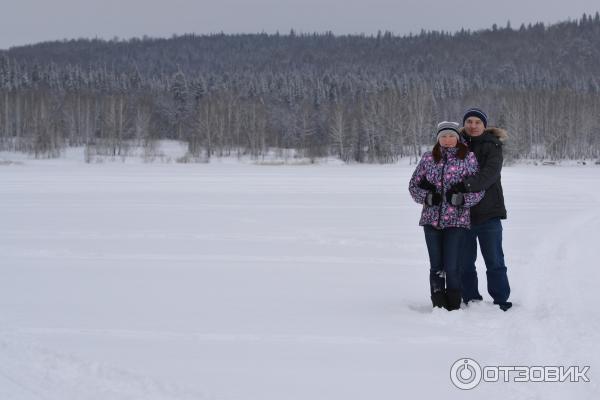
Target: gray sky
32,21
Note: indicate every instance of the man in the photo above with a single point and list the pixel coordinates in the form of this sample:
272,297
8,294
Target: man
486,226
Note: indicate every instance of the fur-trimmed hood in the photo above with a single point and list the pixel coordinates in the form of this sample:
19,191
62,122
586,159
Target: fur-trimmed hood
498,133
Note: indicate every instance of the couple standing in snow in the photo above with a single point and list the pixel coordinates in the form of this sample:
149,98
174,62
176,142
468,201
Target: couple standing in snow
458,183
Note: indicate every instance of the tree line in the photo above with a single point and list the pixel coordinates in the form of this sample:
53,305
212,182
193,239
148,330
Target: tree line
360,98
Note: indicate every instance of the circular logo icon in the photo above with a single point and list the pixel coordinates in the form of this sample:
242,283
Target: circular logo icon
465,373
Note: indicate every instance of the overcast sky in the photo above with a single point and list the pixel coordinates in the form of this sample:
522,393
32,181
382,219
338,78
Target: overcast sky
32,21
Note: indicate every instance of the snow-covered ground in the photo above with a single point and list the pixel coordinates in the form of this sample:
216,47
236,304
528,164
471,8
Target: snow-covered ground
235,281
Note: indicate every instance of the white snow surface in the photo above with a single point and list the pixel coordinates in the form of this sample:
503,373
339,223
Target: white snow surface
230,280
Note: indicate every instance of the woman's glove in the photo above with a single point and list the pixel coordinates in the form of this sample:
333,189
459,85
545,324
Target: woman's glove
459,187
433,198
426,185
455,198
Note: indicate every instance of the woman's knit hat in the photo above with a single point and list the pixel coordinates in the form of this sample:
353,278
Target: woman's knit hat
446,127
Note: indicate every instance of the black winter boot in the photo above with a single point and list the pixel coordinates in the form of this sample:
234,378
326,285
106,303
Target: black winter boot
505,305
476,298
438,299
453,299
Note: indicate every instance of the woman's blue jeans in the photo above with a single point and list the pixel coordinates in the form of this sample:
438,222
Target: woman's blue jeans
444,247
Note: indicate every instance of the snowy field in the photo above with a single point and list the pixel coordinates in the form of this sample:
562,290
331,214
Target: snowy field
309,282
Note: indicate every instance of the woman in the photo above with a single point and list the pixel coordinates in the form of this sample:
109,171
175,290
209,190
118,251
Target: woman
445,216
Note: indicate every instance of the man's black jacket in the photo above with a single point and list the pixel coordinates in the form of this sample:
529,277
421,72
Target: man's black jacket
488,151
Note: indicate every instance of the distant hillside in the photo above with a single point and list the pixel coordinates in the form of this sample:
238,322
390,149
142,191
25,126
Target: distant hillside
363,98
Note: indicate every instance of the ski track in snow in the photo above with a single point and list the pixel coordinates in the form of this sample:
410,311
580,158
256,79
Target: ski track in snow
549,324
30,371
556,328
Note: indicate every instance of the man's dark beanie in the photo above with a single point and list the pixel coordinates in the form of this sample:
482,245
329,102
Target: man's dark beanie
476,112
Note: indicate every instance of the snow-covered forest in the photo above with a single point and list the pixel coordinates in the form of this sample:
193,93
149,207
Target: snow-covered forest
360,98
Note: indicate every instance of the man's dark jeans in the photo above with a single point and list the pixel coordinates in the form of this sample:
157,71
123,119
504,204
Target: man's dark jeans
444,247
489,234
